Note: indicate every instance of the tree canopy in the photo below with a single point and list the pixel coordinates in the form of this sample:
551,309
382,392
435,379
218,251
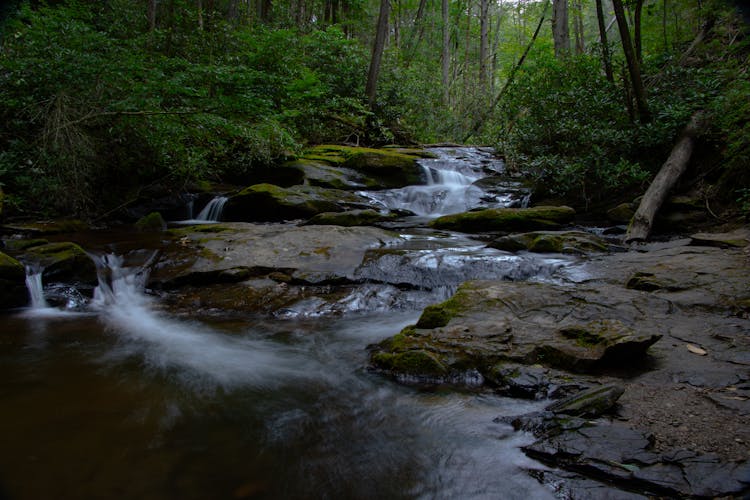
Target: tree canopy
100,100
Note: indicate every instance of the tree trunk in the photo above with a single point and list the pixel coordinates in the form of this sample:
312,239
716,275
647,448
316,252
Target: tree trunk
578,27
633,67
637,31
446,56
641,225
152,15
560,30
484,6
381,32
606,58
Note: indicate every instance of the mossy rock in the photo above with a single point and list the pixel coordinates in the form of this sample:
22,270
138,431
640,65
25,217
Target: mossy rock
12,283
621,213
390,168
350,218
21,245
506,219
574,242
321,174
151,222
267,202
417,362
63,262
649,282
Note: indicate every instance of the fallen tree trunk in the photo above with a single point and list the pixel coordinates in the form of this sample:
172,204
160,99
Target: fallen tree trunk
643,220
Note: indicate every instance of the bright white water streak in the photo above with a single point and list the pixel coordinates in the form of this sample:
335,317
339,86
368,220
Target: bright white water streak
213,209
206,356
36,288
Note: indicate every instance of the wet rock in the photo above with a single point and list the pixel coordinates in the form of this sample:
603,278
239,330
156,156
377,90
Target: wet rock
575,486
351,218
505,219
388,167
321,174
266,202
577,242
739,238
487,322
232,252
19,245
589,403
621,456
12,283
519,381
61,262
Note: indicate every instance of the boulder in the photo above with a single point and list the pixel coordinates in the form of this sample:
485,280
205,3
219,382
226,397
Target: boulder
12,283
506,219
321,174
738,238
235,252
61,262
580,330
575,242
151,222
590,402
390,168
351,218
266,202
621,213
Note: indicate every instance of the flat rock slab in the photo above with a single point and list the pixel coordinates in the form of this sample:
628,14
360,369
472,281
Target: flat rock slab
233,252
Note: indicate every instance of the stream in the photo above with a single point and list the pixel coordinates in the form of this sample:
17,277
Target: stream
118,397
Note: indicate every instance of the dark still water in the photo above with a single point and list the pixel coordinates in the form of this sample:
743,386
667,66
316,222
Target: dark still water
130,402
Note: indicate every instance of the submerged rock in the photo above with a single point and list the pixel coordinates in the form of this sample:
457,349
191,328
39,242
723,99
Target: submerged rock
578,242
266,202
505,219
12,283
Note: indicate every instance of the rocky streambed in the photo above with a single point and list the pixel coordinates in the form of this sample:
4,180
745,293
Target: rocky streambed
624,371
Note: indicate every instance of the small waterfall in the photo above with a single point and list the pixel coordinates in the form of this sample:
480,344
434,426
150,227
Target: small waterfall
35,287
197,354
213,209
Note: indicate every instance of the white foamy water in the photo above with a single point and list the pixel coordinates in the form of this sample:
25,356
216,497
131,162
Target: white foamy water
36,288
169,343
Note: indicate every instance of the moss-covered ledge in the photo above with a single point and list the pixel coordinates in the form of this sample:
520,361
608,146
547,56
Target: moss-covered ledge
506,219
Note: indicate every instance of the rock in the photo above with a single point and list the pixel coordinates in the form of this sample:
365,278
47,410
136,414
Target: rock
739,238
232,252
621,213
519,381
151,222
350,218
577,242
589,403
505,219
62,262
389,168
12,283
321,174
19,245
487,322
266,202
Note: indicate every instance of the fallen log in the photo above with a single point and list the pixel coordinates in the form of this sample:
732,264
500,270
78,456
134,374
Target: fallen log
676,165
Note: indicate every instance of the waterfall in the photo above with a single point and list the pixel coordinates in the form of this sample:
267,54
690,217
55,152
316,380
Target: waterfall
35,287
212,211
198,354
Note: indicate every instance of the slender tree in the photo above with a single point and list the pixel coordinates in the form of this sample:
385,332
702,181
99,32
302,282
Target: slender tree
152,15
446,53
484,7
606,58
637,30
634,69
560,29
381,33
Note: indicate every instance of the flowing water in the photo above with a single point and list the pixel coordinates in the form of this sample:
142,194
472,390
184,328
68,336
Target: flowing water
121,398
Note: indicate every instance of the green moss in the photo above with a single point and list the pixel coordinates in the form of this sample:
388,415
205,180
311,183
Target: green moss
21,245
437,315
417,362
10,267
582,337
151,222
505,219
545,243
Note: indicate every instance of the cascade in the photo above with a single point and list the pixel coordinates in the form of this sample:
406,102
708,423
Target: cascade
35,287
213,209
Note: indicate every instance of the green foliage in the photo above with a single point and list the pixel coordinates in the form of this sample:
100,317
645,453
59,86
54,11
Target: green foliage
95,105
